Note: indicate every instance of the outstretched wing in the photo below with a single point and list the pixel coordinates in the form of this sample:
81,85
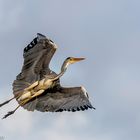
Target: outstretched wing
37,56
64,99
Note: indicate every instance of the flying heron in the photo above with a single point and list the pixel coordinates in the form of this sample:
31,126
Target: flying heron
38,88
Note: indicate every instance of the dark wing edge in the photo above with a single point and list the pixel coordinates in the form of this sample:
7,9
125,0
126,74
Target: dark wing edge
65,99
37,56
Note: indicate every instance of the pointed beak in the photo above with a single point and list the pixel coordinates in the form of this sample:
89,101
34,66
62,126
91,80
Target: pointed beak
77,59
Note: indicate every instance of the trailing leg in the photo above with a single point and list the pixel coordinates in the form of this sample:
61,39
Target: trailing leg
23,103
6,102
10,113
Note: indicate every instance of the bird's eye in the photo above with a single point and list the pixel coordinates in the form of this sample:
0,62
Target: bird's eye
69,58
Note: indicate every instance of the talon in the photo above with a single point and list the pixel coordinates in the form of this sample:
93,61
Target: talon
8,114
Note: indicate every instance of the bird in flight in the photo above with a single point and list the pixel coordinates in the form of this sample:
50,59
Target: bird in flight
38,88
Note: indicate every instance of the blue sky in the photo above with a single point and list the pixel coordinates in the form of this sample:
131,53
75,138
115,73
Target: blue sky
107,34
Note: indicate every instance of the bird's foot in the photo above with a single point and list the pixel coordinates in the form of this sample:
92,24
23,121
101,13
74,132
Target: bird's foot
8,114
11,112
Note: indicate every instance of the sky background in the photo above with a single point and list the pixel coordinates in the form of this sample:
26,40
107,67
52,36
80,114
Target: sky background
107,33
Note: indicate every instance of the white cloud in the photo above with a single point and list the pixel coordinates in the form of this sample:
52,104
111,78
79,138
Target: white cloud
22,124
64,125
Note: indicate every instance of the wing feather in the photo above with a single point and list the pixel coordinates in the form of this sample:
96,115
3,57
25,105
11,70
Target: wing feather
65,99
37,56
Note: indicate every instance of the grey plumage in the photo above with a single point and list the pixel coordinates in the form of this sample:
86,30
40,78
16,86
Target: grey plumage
64,99
54,97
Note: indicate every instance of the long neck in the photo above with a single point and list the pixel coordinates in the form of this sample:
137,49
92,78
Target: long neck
63,70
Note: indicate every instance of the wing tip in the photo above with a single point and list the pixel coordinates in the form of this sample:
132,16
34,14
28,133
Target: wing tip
36,40
84,91
40,36
75,109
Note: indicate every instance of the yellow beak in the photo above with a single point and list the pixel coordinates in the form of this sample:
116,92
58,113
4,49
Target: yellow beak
76,60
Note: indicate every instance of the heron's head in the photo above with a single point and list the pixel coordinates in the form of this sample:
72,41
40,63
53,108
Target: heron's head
70,60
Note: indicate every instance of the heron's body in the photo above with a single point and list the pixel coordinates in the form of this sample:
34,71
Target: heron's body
38,88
